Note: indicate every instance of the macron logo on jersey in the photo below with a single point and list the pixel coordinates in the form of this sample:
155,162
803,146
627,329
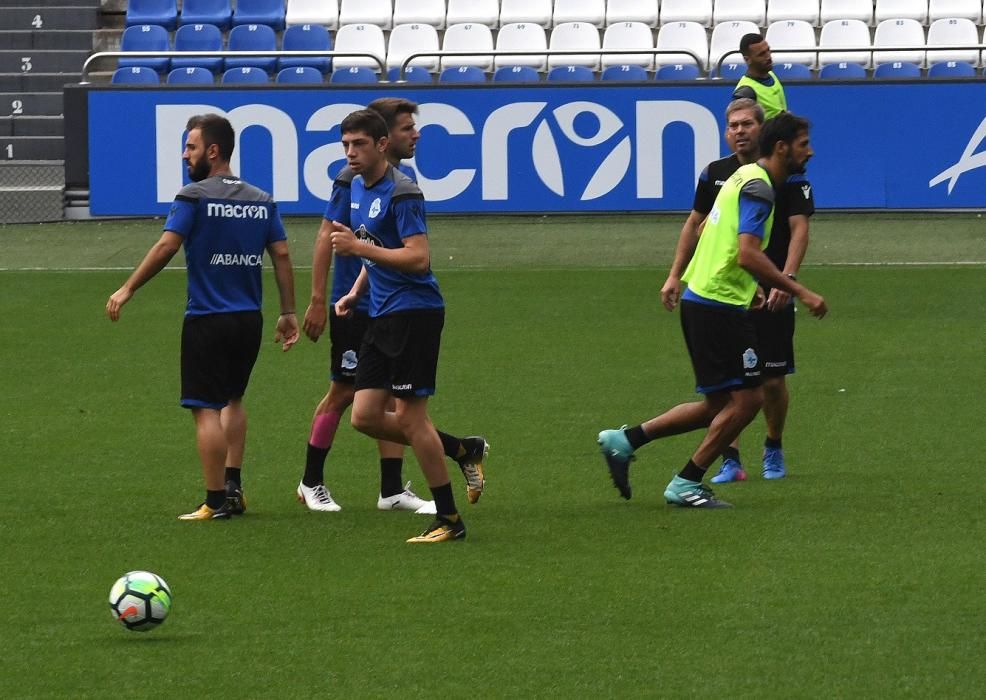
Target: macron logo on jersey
237,260
237,211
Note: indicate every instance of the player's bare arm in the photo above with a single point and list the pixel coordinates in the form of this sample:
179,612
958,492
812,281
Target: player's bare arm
413,257
755,261
156,259
316,315
796,249
347,302
687,241
287,322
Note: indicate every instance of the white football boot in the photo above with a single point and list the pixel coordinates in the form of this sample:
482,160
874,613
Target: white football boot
406,500
317,498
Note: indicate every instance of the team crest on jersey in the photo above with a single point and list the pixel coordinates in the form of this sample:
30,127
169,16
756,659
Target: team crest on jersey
806,191
714,215
749,358
364,235
349,359
375,208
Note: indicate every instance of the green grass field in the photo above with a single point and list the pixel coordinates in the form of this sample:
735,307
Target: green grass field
860,575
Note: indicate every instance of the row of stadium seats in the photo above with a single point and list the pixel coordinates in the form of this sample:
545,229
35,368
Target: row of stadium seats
546,13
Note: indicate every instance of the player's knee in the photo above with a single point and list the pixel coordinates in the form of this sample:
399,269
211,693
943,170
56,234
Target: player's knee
363,420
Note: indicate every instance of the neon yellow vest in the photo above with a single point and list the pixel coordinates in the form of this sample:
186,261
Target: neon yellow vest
714,271
771,98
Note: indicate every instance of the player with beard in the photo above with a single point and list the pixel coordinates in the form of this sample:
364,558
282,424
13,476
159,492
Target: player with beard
760,82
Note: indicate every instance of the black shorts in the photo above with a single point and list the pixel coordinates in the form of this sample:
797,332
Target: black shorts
723,346
346,336
218,352
400,353
775,340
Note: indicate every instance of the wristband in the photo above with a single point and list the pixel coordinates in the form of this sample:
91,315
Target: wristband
287,313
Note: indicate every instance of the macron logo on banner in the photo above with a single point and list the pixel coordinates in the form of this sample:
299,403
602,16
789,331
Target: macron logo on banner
237,259
237,211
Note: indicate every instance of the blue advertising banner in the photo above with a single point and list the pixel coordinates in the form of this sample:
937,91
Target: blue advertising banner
548,148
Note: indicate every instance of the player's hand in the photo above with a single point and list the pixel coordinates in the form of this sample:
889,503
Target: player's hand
344,241
116,302
287,331
815,303
759,299
315,319
671,293
345,305
778,299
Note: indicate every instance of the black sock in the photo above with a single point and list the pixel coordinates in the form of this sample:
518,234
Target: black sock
444,501
731,453
390,476
315,466
770,442
451,445
215,499
692,472
636,436
233,474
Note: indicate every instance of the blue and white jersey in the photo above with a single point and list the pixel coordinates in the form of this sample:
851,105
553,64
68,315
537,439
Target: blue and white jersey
384,215
227,225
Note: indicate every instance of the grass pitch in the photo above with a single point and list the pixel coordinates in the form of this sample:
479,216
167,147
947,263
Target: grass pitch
860,575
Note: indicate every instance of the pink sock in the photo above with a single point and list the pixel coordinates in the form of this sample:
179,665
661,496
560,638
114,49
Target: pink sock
324,429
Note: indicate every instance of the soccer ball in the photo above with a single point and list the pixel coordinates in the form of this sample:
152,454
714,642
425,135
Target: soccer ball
140,600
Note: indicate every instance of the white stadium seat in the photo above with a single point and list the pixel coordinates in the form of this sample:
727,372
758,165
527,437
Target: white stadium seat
953,32
525,11
726,37
589,11
571,36
406,39
468,36
791,34
902,9
323,12
963,9
847,9
629,35
899,32
420,12
805,10
632,11
367,38
845,32
378,12
740,11
473,12
683,35
687,11
522,36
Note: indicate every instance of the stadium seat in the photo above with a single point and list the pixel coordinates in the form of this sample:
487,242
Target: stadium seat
897,70
366,38
959,9
725,38
199,37
145,37
902,9
525,11
321,12
588,11
244,74
135,75
412,74
192,75
573,36
792,34
687,11
163,13
304,75
406,39
353,74
740,11
485,12
792,71
730,72
252,37
952,69
431,12
844,32
677,71
269,12
953,32
833,10
842,71
522,36
628,35
683,35
217,12
571,74
468,36
899,32
644,11
804,10
462,74
624,72
377,12
306,37
516,74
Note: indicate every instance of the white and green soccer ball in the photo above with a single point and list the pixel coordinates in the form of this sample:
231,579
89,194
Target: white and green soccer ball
140,600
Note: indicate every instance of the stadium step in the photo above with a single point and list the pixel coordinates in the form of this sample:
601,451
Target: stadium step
54,39
32,104
31,191
36,82
49,18
34,126
9,4
31,148
29,61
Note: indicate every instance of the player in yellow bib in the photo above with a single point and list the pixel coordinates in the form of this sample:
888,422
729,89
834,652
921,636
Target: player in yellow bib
722,279
760,82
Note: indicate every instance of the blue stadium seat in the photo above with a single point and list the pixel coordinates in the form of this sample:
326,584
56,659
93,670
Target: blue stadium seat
571,74
678,71
730,71
306,37
145,37
252,37
269,12
842,71
412,74
625,72
199,37
353,74
792,71
516,74
300,74
952,69
135,75
246,74
217,12
462,74
192,75
163,13
897,71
